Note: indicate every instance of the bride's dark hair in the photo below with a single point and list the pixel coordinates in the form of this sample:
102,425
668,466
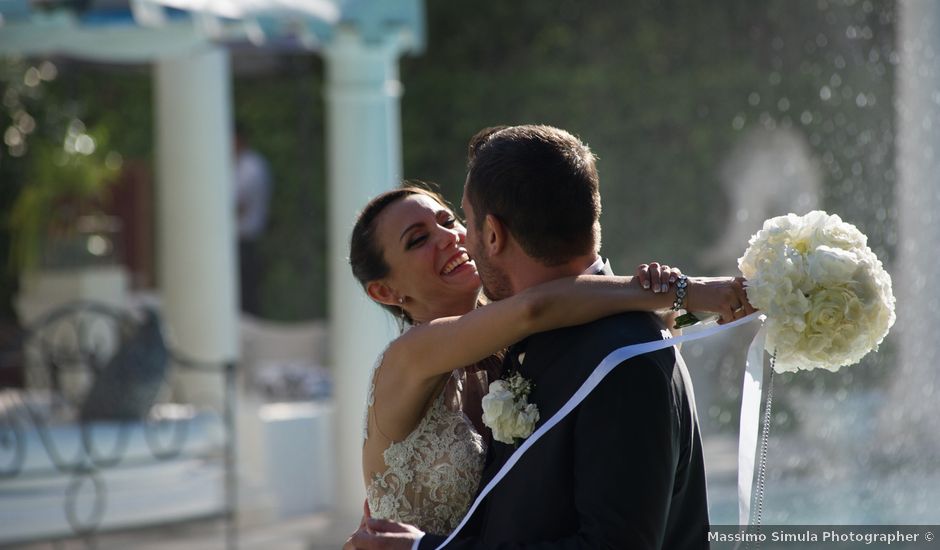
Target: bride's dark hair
365,257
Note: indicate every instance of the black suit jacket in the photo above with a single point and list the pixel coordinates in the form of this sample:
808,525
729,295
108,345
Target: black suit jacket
624,470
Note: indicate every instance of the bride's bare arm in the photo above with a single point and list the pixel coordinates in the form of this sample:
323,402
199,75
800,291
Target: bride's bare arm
438,347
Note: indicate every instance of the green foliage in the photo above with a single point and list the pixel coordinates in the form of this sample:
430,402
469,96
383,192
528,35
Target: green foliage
57,173
653,87
49,157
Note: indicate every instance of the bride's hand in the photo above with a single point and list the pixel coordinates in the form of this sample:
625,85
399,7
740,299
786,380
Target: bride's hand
380,534
722,295
656,276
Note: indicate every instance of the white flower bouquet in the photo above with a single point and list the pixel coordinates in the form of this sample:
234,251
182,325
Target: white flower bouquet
827,297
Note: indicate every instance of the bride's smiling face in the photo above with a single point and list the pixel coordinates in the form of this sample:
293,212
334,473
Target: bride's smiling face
424,245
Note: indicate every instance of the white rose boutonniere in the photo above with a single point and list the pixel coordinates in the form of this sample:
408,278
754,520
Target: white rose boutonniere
507,411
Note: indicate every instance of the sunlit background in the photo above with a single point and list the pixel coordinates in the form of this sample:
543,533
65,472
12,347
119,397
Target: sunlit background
707,118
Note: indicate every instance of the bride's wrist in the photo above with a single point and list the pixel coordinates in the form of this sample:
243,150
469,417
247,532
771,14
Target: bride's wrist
691,294
680,294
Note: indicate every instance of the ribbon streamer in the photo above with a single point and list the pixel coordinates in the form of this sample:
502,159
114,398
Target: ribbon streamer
750,417
606,365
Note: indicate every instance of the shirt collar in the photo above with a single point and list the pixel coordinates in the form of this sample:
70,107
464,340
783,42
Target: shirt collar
517,351
598,266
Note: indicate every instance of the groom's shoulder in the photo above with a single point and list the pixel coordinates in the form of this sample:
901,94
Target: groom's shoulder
592,341
647,370
587,344
623,329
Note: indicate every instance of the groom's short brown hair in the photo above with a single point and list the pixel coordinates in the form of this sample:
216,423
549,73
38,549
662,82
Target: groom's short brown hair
541,183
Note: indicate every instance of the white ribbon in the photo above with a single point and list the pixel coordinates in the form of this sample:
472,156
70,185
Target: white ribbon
606,365
750,417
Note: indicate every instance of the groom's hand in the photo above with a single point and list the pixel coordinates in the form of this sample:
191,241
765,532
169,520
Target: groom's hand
726,296
380,534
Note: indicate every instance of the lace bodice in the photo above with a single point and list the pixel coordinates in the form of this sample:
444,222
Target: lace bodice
432,474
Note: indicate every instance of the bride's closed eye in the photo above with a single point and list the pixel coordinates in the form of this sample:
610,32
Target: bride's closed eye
415,241
445,219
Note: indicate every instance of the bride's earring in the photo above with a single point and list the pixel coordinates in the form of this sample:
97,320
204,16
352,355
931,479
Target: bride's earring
401,317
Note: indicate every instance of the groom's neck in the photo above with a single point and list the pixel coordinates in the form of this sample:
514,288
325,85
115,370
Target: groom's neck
530,272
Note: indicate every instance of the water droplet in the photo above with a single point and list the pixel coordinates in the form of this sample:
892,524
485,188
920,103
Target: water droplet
25,122
738,122
806,117
861,100
113,160
825,93
76,128
31,78
98,245
767,121
84,144
12,137
783,105
48,71
753,98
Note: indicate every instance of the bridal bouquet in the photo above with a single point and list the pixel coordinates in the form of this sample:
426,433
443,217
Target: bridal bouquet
827,297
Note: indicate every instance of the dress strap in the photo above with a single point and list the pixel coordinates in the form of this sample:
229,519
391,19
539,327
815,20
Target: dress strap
370,397
437,395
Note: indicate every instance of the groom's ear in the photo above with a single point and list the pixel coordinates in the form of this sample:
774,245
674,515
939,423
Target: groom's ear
494,235
381,293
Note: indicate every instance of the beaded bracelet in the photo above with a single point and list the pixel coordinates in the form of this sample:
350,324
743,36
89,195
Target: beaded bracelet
681,285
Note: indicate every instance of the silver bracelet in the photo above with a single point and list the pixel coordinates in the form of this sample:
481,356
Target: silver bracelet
681,287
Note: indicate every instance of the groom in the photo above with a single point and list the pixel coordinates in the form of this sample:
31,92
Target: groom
624,470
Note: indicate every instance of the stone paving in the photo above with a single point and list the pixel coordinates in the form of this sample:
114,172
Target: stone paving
316,532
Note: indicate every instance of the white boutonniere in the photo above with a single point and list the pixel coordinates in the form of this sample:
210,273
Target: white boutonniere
507,411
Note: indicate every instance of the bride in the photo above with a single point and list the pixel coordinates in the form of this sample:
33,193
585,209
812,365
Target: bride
424,440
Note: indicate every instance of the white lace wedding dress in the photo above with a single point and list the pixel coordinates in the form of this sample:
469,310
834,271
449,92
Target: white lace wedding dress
432,474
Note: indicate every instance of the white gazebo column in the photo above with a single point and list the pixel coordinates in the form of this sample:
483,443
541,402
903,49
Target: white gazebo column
196,244
912,408
364,155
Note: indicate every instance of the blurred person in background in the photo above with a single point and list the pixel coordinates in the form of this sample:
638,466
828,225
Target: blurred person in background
252,198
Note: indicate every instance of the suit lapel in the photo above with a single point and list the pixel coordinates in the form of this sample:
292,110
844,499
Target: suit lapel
541,350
